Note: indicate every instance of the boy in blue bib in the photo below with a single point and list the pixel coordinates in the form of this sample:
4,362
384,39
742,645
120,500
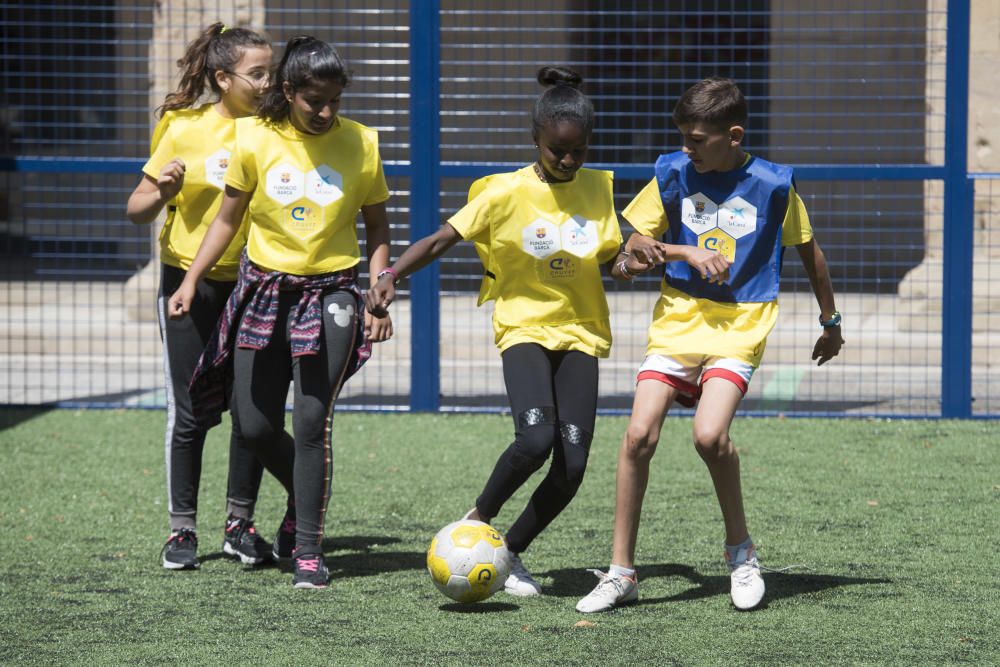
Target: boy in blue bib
714,314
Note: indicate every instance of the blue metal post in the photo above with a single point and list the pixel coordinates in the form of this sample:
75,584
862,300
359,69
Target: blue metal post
425,128
956,317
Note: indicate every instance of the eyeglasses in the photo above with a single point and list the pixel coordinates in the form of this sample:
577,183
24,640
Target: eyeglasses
257,78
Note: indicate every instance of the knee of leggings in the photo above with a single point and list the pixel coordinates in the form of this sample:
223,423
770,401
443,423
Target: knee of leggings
576,448
536,435
257,433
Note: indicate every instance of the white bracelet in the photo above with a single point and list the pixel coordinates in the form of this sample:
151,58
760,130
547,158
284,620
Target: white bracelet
623,270
388,272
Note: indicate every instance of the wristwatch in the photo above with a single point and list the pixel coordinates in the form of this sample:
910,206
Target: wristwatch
832,322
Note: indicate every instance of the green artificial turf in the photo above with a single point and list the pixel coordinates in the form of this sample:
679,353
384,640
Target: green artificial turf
896,521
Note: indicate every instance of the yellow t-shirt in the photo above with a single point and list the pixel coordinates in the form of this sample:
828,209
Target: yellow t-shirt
203,140
683,324
307,191
542,245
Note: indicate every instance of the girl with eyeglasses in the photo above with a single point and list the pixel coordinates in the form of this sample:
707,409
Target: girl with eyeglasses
190,150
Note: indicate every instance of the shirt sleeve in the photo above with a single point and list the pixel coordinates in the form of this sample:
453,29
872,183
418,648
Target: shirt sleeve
611,245
645,213
796,228
242,170
612,241
379,191
474,218
161,148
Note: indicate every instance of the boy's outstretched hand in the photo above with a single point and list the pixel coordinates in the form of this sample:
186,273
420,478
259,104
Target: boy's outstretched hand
713,266
828,345
648,252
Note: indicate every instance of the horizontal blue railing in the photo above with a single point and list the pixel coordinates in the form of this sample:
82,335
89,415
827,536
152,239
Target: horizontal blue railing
805,172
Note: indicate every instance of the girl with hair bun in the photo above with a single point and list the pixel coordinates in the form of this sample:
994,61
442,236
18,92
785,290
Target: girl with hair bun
300,173
542,232
190,148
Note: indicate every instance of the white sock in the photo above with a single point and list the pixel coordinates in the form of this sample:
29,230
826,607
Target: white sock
740,553
619,571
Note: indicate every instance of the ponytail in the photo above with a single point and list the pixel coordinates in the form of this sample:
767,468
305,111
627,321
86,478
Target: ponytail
306,61
562,100
216,49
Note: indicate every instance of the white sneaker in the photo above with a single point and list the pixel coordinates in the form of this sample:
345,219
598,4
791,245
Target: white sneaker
746,584
520,582
614,590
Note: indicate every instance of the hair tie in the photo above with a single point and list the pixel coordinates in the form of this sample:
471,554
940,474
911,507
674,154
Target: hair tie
224,28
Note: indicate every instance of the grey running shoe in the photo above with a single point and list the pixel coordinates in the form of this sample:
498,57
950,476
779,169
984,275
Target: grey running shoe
181,551
243,542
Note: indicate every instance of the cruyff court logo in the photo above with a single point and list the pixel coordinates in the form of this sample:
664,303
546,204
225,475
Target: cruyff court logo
303,220
562,268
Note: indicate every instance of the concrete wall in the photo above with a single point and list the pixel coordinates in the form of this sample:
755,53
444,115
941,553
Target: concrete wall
920,303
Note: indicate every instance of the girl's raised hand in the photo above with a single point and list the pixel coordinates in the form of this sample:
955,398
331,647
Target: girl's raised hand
171,179
381,294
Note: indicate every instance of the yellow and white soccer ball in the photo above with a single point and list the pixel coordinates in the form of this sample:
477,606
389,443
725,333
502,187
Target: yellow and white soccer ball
468,560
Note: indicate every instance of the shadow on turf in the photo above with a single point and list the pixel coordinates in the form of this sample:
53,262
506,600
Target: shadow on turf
364,560
577,583
478,607
11,416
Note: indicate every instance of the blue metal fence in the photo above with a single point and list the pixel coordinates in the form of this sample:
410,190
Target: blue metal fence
841,93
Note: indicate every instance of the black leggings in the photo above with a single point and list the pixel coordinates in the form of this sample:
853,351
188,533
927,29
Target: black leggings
260,388
183,342
553,400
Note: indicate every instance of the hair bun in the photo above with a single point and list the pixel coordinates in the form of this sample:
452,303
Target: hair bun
552,75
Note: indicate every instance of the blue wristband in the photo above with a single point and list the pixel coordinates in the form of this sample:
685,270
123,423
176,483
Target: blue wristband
832,322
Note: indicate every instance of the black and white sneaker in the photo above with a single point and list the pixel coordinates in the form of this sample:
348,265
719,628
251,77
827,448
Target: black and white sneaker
243,542
284,541
310,571
181,550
